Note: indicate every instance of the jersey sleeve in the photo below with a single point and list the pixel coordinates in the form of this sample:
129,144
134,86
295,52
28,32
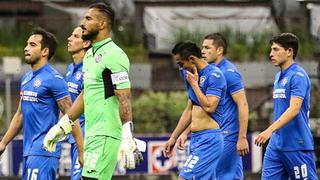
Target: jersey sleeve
299,85
120,71
216,84
234,81
59,87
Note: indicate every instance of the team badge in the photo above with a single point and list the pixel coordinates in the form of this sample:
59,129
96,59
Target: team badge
202,79
284,81
78,76
37,83
98,58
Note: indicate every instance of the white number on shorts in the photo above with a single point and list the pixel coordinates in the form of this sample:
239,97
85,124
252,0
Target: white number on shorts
192,160
302,174
77,165
33,173
91,160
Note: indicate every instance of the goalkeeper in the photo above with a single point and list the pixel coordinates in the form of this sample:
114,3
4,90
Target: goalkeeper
105,101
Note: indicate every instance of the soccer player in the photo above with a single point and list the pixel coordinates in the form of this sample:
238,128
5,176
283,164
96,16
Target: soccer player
289,154
43,93
235,123
105,100
77,48
206,88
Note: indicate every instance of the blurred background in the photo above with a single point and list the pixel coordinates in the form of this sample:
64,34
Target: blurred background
147,30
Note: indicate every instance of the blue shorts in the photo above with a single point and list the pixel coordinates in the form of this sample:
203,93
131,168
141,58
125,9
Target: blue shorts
205,150
280,165
76,169
40,167
230,164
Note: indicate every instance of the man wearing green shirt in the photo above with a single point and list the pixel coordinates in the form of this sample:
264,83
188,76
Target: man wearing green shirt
105,101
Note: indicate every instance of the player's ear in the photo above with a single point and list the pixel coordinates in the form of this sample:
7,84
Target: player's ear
45,52
289,52
192,58
220,50
86,44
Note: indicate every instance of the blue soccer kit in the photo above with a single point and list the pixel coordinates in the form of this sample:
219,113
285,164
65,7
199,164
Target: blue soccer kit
206,146
40,91
74,78
290,150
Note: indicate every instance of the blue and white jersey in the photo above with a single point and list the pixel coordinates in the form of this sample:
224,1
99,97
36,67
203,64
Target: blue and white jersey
40,91
74,78
230,125
212,83
296,135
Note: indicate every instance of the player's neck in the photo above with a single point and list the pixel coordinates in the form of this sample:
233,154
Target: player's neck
78,57
201,64
286,64
102,35
219,59
42,62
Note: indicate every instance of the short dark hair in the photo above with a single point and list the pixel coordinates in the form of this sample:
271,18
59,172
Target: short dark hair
218,41
106,10
48,40
287,40
186,49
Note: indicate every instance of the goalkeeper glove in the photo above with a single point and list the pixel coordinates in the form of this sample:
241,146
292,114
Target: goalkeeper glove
129,155
56,133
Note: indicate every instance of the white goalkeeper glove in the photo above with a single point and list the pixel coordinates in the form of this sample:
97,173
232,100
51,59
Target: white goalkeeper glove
130,156
56,133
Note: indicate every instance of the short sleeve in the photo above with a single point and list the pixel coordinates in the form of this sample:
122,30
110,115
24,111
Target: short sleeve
299,85
120,71
216,85
234,81
59,87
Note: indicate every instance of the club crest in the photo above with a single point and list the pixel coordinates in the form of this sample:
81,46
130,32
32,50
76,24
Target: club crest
78,76
98,58
202,79
284,81
37,83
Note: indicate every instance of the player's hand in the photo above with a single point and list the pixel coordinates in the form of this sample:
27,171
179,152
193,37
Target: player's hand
130,156
2,148
192,77
63,127
130,153
242,146
263,137
168,147
181,141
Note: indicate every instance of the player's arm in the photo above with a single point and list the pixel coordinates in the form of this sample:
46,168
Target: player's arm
65,106
183,124
208,103
291,112
243,110
124,99
13,130
77,108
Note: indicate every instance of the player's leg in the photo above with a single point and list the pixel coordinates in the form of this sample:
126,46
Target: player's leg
230,164
300,164
40,167
76,169
205,150
100,157
273,167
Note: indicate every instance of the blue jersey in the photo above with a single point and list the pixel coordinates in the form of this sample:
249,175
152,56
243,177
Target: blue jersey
230,125
74,78
296,135
211,83
40,91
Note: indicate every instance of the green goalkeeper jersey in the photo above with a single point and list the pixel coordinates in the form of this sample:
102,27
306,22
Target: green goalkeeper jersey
105,68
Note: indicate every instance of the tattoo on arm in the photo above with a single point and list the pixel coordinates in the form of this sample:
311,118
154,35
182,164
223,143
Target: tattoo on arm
65,104
125,110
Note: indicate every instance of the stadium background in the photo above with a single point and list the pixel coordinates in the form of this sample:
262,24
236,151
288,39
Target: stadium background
147,30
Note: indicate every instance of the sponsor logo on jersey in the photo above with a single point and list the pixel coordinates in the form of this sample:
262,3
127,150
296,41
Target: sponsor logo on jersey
216,75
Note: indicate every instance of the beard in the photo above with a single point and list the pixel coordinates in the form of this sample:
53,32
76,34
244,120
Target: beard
31,61
90,36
